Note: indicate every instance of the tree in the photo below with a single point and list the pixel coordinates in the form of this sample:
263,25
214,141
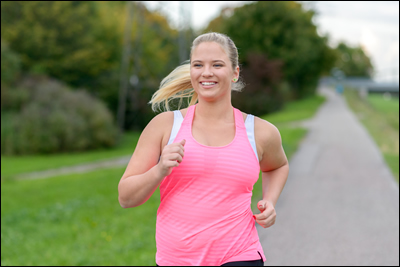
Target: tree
80,43
281,31
58,38
353,61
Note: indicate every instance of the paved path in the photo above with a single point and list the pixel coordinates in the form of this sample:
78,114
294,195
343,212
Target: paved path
340,205
87,167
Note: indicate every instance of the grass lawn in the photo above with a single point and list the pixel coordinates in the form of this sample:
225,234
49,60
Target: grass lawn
77,220
381,118
12,165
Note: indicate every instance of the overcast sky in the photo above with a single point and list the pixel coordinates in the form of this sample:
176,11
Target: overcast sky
372,24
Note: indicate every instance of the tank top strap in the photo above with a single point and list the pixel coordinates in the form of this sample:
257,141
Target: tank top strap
187,120
239,119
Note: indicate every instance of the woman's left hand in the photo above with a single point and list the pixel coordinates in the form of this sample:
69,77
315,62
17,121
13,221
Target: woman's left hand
267,216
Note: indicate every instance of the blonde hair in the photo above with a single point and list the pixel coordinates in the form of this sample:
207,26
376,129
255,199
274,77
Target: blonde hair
178,85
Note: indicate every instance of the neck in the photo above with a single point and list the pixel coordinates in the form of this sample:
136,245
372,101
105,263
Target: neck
215,111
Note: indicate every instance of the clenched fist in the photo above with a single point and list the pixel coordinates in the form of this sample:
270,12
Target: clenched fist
267,216
171,156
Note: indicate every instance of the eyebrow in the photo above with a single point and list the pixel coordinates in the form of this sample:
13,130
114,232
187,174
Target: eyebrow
212,61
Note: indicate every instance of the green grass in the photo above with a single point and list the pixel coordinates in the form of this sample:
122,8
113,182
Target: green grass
13,165
295,111
389,108
77,220
381,118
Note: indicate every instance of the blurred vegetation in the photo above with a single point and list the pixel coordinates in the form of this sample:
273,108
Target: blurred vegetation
10,66
41,115
281,53
380,116
80,44
353,61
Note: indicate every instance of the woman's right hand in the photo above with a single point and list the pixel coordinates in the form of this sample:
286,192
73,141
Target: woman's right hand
171,156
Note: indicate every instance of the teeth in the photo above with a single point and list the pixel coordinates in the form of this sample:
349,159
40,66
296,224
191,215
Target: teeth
207,83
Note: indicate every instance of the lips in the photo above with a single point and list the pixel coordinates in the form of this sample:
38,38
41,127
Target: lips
208,83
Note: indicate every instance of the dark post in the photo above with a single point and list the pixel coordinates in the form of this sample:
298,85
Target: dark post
123,87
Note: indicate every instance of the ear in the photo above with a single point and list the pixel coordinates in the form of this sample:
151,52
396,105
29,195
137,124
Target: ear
236,73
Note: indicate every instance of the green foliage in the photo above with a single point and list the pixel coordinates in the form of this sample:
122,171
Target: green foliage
154,55
81,43
353,61
66,40
265,91
51,118
10,65
56,38
283,32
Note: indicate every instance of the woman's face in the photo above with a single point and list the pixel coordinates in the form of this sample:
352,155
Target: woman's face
211,71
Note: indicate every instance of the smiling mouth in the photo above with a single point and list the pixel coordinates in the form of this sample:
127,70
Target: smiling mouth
208,83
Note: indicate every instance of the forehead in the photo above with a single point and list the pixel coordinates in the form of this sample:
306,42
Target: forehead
209,51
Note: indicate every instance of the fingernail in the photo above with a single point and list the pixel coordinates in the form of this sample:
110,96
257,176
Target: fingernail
254,217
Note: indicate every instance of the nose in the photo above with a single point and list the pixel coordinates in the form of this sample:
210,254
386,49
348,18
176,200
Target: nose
207,72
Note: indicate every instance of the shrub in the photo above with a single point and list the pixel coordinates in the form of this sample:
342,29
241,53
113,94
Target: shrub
264,92
52,118
10,64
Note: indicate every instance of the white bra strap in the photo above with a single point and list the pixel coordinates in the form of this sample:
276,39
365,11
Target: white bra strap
249,123
178,119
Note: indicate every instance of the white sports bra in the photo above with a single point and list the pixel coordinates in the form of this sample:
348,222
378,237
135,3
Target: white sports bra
249,123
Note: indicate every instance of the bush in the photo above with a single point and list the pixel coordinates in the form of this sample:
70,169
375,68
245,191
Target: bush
51,118
265,91
10,64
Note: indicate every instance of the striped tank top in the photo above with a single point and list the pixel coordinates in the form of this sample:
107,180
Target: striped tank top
205,217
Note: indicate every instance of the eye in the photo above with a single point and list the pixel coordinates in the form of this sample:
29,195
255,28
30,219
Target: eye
197,65
218,65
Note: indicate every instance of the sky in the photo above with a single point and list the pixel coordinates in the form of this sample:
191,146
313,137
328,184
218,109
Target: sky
372,24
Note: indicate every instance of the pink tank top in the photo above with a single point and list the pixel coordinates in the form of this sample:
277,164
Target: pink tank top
204,217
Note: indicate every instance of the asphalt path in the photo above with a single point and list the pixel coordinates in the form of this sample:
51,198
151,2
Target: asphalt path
340,205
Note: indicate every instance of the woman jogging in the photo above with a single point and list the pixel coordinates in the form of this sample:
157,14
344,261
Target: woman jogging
206,159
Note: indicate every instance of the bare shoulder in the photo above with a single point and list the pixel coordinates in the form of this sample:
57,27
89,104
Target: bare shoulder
162,119
265,132
269,143
161,126
149,146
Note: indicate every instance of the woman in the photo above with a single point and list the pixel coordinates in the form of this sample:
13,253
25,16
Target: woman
206,159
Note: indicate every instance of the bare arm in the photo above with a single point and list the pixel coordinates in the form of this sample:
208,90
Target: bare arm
145,172
274,167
